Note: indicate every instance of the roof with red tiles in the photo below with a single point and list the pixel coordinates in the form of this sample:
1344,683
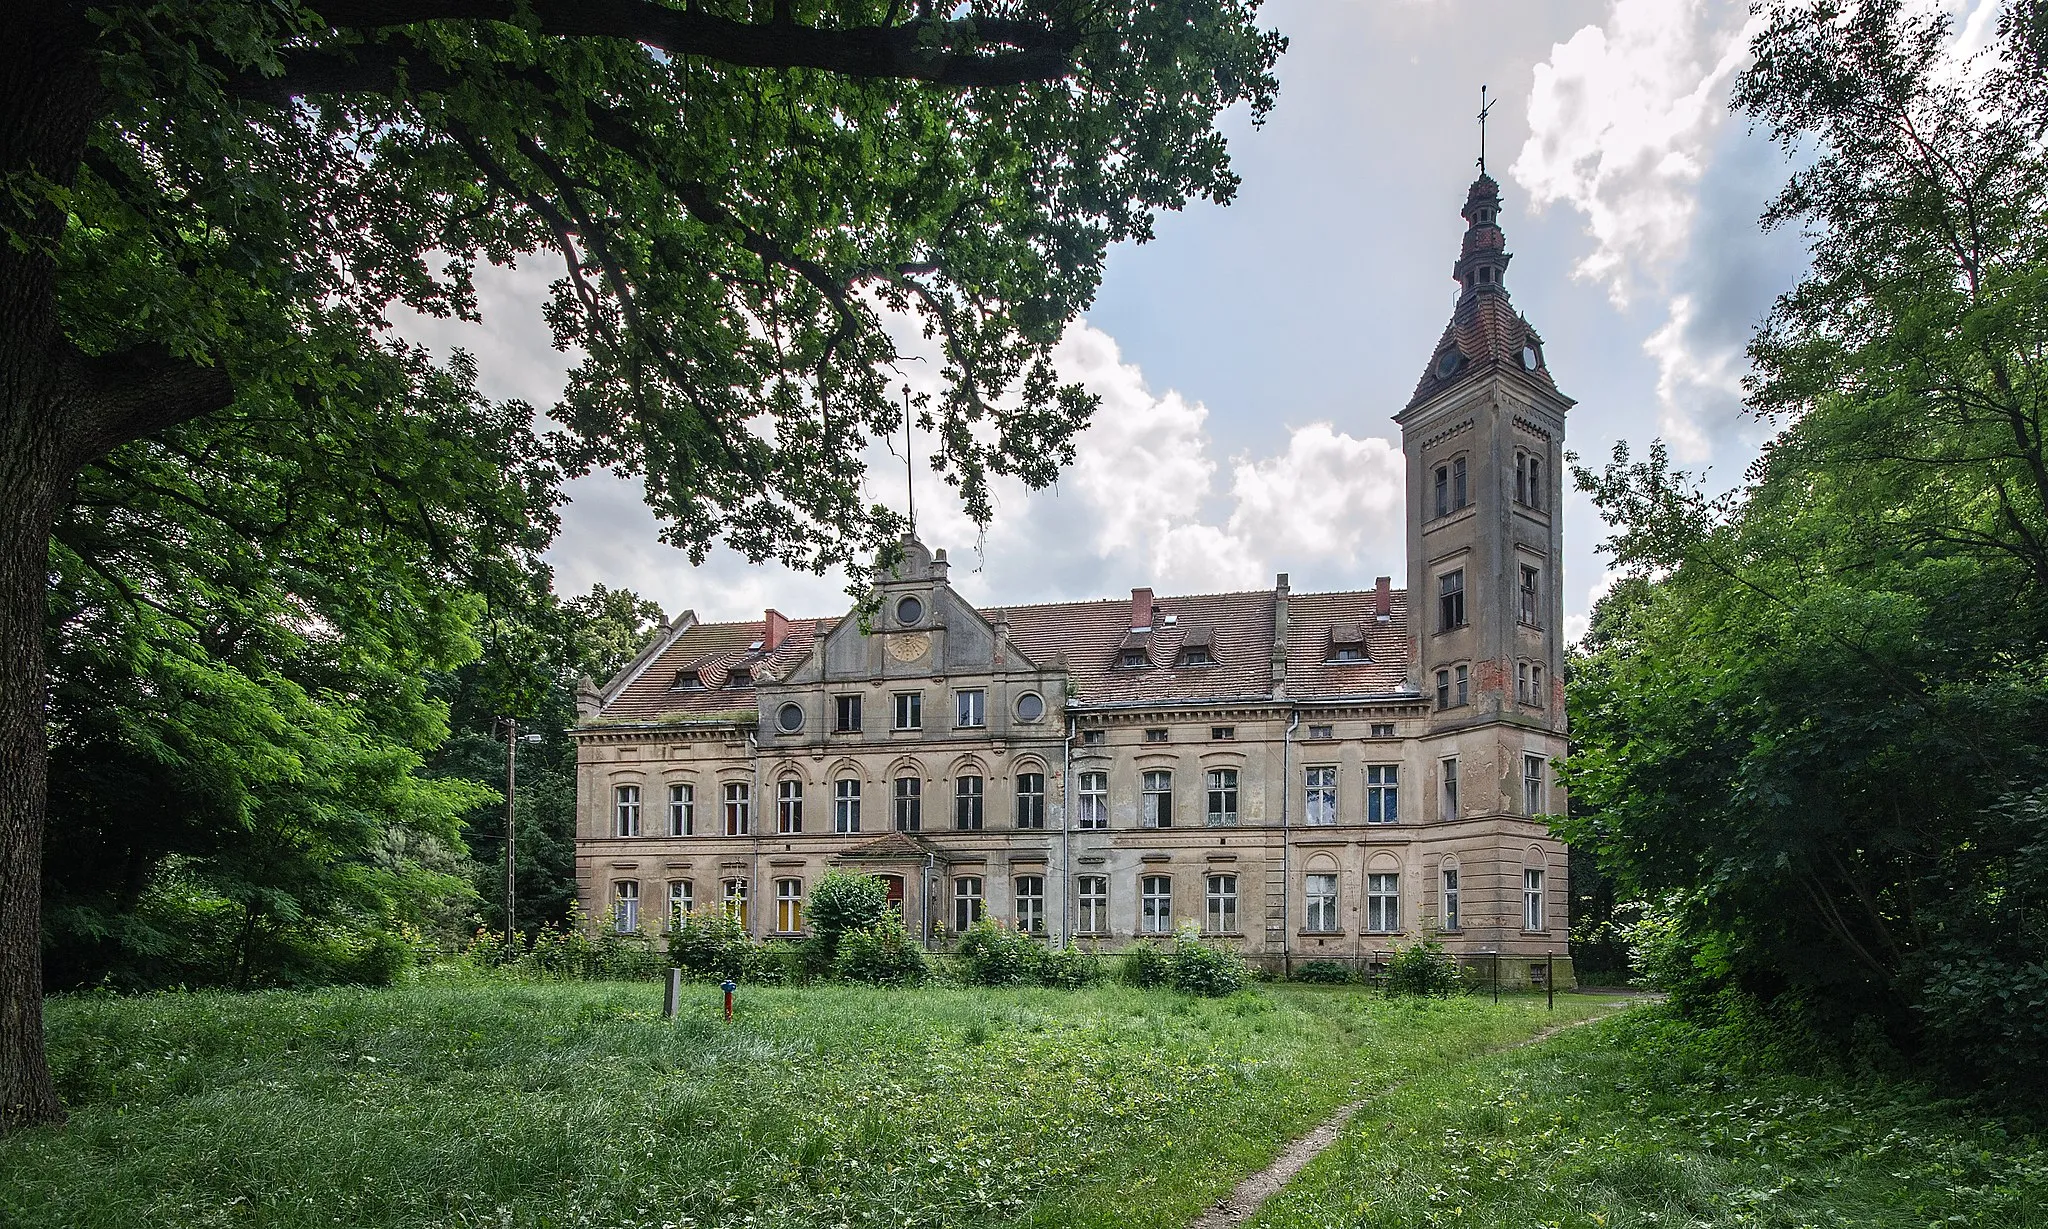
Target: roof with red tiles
1486,332
1208,647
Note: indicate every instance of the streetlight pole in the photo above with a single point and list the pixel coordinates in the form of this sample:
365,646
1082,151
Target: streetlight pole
511,725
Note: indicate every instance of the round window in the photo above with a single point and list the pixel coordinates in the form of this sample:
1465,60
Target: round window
1449,362
909,611
789,718
1030,706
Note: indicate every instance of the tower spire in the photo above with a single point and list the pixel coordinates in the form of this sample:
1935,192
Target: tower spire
1484,107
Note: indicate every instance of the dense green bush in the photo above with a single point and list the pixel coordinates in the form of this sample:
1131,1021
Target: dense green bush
880,954
1070,968
841,903
1322,973
993,955
1146,966
1424,968
1208,969
712,946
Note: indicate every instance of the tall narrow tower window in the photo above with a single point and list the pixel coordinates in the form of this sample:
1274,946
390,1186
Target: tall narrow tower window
1450,600
1458,499
1443,490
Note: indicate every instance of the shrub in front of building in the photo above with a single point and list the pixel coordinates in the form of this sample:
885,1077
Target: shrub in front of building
1424,968
880,954
992,955
1208,969
710,946
842,903
1323,973
1145,966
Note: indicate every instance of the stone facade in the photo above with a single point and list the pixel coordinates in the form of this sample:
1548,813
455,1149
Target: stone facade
1310,776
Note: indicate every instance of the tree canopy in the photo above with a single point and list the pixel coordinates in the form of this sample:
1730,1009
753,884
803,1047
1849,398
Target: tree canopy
211,206
1814,722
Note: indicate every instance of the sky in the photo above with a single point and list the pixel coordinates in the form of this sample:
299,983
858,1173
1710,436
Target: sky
1250,358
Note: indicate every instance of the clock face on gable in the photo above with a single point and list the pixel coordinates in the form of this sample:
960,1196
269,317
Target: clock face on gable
909,648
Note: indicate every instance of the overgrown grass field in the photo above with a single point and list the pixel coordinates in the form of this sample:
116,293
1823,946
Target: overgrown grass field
1646,1120
487,1104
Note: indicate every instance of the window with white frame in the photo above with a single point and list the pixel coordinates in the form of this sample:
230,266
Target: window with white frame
1383,793
1222,901
1458,493
970,709
846,804
1155,905
1157,801
682,902
626,906
1222,796
626,810
789,806
734,899
1532,785
1092,893
1319,796
967,798
682,809
909,804
1449,774
909,710
967,904
1447,912
1532,900
789,906
1383,902
1093,796
1031,904
1319,898
738,808
1031,800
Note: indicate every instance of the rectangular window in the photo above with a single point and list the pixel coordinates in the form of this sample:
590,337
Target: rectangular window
1532,900
1383,793
1093,892
969,709
1383,730
1094,798
1449,912
1450,600
966,903
1093,738
1321,733
789,906
1196,655
682,902
1443,688
1532,785
1443,490
1521,682
1222,733
626,810
1222,797
1383,903
1155,736
1158,801
1450,779
1031,800
909,710
735,900
846,804
909,804
1529,480
1222,901
626,906
848,711
1521,477
1461,691
738,808
789,806
1155,915
682,810
1536,685
1031,904
1458,499
1319,796
1527,592
1319,894
967,804
1536,482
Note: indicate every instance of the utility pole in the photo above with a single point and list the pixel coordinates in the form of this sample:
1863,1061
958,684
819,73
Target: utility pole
511,725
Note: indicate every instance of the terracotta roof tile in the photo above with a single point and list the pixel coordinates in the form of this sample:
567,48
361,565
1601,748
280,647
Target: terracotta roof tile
712,651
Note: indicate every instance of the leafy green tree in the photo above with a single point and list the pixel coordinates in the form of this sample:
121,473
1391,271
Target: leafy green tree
842,903
210,205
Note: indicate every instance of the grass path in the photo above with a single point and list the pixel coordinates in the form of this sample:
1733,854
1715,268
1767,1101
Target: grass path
1644,1121
1247,1196
480,1104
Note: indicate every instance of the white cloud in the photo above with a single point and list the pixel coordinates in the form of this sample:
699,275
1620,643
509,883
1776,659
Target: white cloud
1330,496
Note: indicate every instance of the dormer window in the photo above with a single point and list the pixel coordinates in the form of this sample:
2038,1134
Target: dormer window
1133,659
1197,642
1196,655
687,680
1346,652
738,677
1347,641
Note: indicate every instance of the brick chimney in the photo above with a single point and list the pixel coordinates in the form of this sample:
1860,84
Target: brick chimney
1279,659
1141,608
778,627
1383,599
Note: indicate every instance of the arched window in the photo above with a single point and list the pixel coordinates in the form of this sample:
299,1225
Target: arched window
789,806
846,805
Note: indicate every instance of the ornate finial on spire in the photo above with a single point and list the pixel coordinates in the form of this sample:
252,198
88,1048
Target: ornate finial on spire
1484,107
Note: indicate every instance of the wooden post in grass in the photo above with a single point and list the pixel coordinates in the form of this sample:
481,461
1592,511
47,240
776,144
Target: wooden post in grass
1496,979
671,994
1549,981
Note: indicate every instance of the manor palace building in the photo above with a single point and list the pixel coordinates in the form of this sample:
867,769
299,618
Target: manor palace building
1309,776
